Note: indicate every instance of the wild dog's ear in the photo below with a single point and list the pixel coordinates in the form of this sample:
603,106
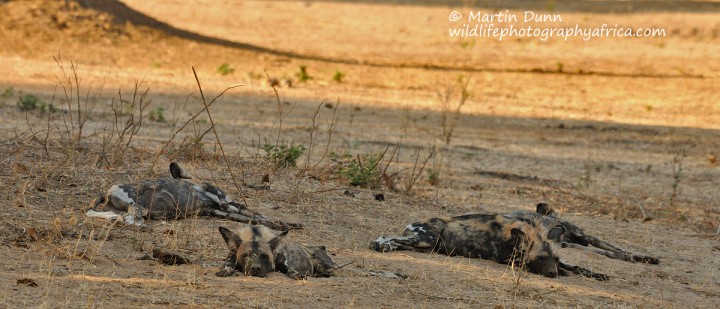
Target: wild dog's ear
177,172
544,209
275,242
231,239
556,233
517,234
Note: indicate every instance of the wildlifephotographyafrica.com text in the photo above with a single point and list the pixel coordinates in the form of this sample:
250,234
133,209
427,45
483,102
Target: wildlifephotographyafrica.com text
506,24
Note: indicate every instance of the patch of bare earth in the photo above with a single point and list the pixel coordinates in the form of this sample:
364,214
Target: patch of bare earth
597,129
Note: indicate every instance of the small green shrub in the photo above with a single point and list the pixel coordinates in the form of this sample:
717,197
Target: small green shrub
467,44
29,102
303,75
433,177
47,107
338,77
362,171
225,69
8,93
157,114
282,156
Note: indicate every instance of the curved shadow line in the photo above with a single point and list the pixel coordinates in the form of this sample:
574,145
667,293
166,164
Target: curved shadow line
122,12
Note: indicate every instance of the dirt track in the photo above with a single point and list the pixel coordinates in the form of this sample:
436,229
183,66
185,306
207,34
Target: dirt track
589,127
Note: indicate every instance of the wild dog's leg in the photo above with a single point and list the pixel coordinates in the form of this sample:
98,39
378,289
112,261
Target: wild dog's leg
390,243
233,241
228,268
620,254
225,207
324,266
276,225
564,268
419,236
617,254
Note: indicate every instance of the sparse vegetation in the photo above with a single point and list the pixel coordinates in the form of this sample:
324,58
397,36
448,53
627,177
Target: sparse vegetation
467,44
360,170
433,177
679,153
78,106
30,102
282,156
303,75
338,77
225,69
157,114
8,93
450,113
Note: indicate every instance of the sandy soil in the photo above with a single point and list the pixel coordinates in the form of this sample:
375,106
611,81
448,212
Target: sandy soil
595,128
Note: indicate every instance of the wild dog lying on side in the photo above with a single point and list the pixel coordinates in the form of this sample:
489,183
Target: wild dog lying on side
503,239
575,237
173,198
256,250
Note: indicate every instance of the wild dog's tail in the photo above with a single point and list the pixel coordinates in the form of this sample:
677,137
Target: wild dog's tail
177,172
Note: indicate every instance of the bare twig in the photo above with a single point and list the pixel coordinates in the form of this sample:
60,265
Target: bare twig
192,119
212,125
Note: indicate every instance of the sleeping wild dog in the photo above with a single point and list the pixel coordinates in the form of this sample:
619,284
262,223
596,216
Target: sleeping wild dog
173,198
504,239
575,237
256,250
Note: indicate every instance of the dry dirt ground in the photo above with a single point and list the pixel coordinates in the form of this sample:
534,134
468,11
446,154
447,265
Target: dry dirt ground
599,129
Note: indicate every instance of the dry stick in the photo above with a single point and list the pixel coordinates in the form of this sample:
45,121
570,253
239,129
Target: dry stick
280,109
68,97
331,129
312,134
27,121
73,68
343,265
47,136
392,156
413,176
217,138
192,119
136,128
388,180
378,162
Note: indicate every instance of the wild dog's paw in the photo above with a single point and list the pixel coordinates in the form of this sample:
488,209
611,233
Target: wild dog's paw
225,272
387,274
382,244
645,259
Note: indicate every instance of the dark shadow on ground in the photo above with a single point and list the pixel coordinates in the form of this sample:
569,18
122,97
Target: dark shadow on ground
123,14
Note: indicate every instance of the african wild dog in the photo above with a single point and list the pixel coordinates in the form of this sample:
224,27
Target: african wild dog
575,237
500,238
173,198
256,250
